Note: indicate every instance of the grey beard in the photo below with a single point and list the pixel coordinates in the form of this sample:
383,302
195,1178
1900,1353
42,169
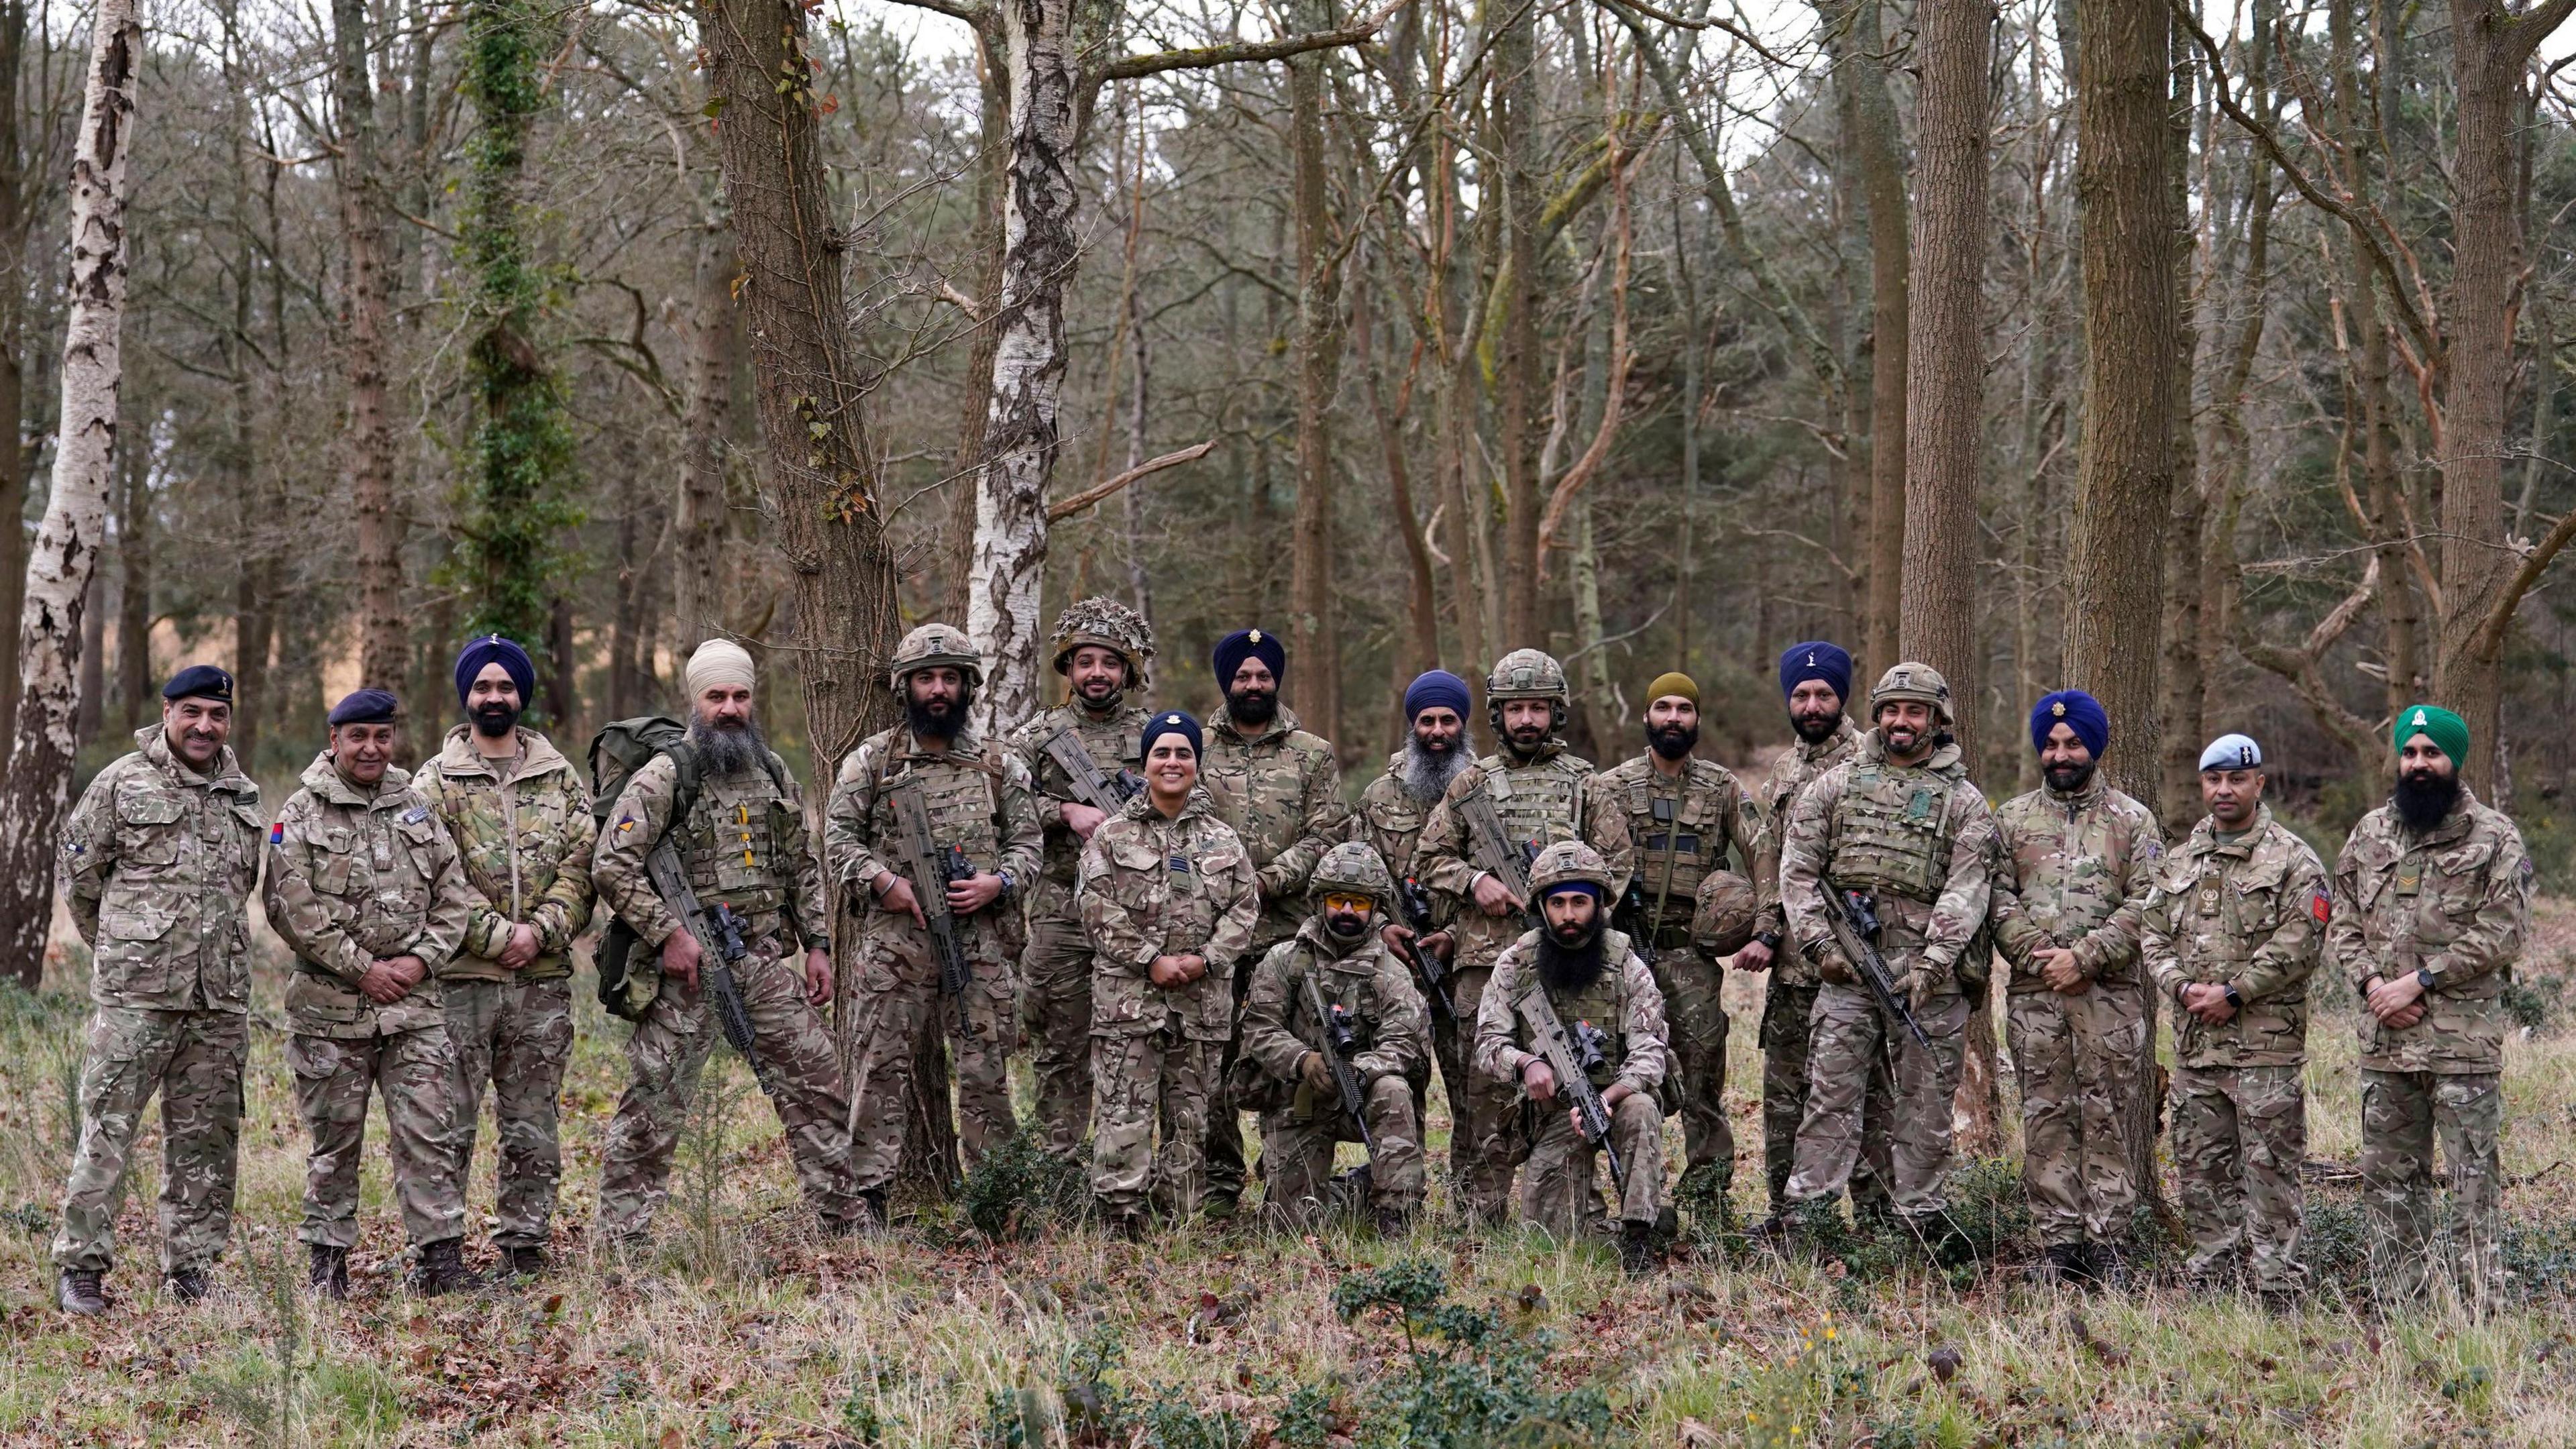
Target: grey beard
723,751
1426,776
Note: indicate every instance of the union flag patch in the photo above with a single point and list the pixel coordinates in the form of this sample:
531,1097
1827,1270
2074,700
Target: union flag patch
2321,907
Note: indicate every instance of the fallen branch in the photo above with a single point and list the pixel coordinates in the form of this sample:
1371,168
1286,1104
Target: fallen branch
1058,512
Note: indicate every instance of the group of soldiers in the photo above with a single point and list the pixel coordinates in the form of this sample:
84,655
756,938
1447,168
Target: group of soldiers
1185,921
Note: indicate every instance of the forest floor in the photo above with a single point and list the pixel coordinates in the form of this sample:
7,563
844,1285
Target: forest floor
744,1327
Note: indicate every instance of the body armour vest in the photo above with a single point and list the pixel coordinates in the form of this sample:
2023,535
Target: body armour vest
1604,1003
1891,832
1541,802
734,846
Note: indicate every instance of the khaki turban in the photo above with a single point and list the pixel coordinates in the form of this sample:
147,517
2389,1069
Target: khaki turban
719,662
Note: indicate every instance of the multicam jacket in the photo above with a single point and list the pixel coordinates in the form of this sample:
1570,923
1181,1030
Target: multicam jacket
1682,830
2073,872
1552,796
1624,1003
744,844
1796,768
525,846
1918,838
1154,887
1112,745
1281,791
2453,903
355,877
2249,912
156,865
977,797
1389,820
1388,1022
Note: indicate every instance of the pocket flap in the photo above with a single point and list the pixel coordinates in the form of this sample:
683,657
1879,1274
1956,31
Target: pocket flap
137,923
145,807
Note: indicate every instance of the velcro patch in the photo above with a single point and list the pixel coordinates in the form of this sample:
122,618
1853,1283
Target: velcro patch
2321,906
277,833
1181,864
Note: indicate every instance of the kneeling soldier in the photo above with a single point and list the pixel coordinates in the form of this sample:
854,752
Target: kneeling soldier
1377,1030
1587,976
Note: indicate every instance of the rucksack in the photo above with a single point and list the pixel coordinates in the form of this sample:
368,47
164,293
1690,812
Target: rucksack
621,748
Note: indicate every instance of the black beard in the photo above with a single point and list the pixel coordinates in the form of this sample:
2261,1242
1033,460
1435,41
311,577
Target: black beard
723,749
943,725
1107,702
1251,706
2425,801
2067,779
1672,741
1346,929
1570,968
1427,772
1816,731
1524,748
492,721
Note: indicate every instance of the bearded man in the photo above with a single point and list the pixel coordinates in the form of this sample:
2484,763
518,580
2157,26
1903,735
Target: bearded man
1390,817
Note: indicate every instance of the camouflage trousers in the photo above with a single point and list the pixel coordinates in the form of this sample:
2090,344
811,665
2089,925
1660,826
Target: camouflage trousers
1453,1047
1694,990
1786,1011
1297,1155
1487,1144
2416,1239
1561,1190
1142,1085
193,1059
1226,1163
664,1059
1849,1034
2077,1061
517,1036
2238,1137
1055,1007
416,1073
896,1004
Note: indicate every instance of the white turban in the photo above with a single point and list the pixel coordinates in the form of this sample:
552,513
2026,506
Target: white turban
719,662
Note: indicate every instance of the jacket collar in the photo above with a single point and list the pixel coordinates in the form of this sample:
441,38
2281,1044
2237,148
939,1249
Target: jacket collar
324,780
459,759
901,744
154,742
1944,759
1312,932
1282,725
1140,806
2452,828
2205,841
2075,799
1845,737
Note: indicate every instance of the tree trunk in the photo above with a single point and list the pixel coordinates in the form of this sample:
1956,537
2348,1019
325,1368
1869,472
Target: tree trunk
13,307
384,653
699,567
1314,633
134,683
1516,120
1861,67
65,557
975,388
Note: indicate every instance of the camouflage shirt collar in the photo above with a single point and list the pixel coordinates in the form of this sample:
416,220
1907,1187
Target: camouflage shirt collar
459,757
324,779
1282,725
968,745
1312,932
1846,736
154,742
2205,841
1140,806
2454,826
2082,798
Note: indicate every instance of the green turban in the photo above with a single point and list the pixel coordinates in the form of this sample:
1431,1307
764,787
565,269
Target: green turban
2447,731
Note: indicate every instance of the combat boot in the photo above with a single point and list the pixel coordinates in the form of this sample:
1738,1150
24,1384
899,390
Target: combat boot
1637,1248
442,1270
2061,1264
1393,1222
328,1274
867,1218
79,1292
188,1284
2111,1267
524,1262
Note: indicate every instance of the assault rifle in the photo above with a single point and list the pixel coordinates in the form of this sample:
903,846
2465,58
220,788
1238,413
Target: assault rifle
932,870
1492,851
1335,1040
1573,1056
1853,918
1415,904
1102,792
720,947
1631,917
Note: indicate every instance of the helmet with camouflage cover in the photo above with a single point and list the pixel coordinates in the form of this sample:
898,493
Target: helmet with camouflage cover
1109,624
1722,918
931,646
1526,674
1564,864
1916,681
1353,868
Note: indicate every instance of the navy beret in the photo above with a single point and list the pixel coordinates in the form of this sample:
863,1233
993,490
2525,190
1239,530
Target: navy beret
493,649
200,681
1171,722
1244,644
365,706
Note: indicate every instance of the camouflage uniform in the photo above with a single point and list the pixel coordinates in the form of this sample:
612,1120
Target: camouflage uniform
745,844
1389,821
1682,830
1153,887
1299,1127
1920,839
155,866
2455,903
1561,1191
2249,912
977,797
2073,872
1281,793
524,843
1789,1000
354,877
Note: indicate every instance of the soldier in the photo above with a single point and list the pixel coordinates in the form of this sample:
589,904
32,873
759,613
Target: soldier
1684,816
2231,932
1279,789
2432,895
1389,819
1105,651
1593,979
365,888
1815,678
1540,795
2077,861
974,795
158,859
1168,895
1283,1070
742,842
519,813
1900,822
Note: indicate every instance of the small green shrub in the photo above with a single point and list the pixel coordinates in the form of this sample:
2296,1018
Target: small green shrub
1018,1189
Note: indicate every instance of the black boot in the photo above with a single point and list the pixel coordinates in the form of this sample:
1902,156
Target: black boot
524,1262
1393,1222
866,1219
329,1273
79,1292
442,1269
1637,1248
2062,1263
188,1284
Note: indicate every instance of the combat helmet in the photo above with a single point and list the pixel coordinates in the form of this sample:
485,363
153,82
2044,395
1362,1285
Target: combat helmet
1564,863
1353,868
1916,681
1722,916
1103,621
934,645
1526,674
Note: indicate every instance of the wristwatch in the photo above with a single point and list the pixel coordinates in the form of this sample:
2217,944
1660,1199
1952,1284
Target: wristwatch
1010,887
1768,941
2424,979
2234,1001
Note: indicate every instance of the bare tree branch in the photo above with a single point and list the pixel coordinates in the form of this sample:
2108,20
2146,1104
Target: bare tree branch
1065,508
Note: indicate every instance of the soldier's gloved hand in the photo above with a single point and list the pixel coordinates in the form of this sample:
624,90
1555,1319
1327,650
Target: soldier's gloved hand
1922,983
1315,1072
1831,965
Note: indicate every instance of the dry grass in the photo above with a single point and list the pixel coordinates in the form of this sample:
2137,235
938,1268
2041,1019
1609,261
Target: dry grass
746,1329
